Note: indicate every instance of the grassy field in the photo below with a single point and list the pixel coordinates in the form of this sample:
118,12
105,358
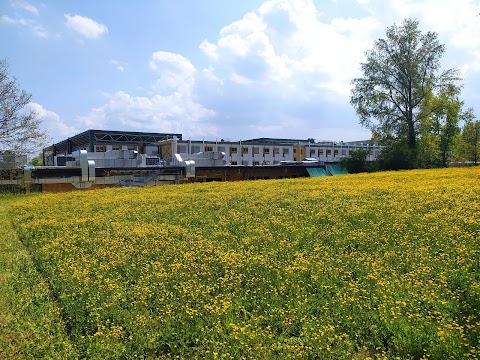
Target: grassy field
31,325
383,265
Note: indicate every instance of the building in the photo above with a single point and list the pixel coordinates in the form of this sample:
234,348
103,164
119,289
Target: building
101,141
118,149
266,151
99,158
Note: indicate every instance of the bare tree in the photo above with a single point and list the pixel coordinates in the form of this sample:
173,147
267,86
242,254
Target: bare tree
20,125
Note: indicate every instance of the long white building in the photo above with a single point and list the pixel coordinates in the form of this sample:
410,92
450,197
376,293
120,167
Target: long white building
266,151
160,148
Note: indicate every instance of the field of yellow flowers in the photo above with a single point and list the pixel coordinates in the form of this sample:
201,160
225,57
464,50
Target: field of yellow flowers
383,265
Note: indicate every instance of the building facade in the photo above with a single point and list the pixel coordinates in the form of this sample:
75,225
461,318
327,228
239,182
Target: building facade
100,141
267,151
164,146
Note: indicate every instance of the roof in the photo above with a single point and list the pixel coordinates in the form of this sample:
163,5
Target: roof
87,138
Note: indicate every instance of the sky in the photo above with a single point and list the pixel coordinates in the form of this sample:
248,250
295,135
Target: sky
216,69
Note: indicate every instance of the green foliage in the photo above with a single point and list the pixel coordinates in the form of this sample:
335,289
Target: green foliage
401,74
357,161
38,160
440,116
397,156
468,147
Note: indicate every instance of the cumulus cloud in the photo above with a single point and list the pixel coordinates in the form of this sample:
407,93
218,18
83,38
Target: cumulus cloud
85,26
173,71
285,68
56,128
456,23
171,108
288,63
286,42
156,113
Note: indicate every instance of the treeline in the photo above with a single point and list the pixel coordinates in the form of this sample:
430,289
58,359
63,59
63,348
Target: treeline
464,150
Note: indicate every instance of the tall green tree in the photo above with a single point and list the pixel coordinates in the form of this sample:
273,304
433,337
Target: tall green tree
398,74
469,144
439,118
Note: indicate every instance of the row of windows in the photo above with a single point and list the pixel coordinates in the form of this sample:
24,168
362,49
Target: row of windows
103,148
319,152
254,163
182,149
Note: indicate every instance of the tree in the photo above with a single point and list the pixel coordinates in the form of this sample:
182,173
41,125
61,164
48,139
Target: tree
398,74
357,161
469,147
439,118
20,130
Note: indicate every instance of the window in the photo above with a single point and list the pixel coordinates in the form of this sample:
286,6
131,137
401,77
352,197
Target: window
115,147
233,150
233,163
321,151
152,161
286,151
294,150
266,151
131,147
182,149
100,148
276,151
221,148
195,149
244,162
208,148
256,150
344,151
245,150
329,152
336,151
255,163
312,152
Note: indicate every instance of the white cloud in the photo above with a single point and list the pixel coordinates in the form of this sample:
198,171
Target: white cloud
157,113
37,29
119,65
171,108
173,71
291,63
286,42
85,26
283,69
23,5
56,128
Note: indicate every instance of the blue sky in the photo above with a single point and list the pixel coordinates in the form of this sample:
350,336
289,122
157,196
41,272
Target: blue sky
215,68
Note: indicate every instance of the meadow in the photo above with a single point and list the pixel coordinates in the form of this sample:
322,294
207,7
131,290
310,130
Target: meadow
379,266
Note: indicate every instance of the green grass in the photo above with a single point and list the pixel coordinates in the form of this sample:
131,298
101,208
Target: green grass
31,325
381,266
